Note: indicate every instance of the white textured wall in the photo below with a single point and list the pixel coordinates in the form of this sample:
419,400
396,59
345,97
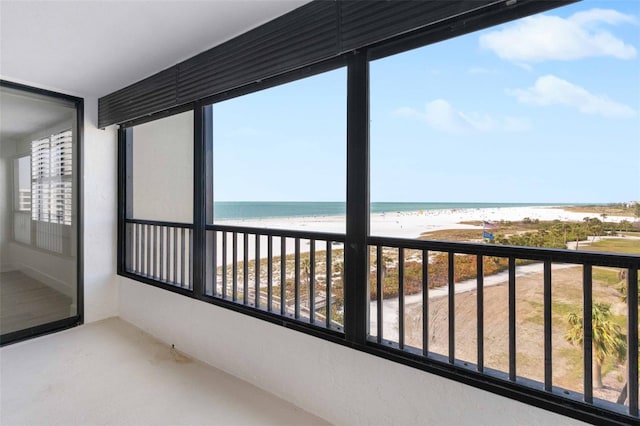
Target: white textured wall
100,216
163,169
342,385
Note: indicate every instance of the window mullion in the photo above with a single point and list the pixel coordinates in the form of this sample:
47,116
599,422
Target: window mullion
125,197
356,304
199,197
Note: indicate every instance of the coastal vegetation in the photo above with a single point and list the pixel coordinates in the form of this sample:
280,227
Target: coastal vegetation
335,272
611,209
526,232
557,234
465,268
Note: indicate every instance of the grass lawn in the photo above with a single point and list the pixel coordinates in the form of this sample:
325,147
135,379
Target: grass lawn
598,210
459,235
607,276
614,245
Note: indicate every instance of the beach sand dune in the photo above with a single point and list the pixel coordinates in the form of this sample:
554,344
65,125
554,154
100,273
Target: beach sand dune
394,224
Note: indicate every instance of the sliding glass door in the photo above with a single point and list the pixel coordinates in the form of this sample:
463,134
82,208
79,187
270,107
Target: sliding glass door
39,220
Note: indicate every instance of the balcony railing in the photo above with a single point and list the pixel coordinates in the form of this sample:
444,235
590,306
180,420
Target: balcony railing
299,277
398,252
161,251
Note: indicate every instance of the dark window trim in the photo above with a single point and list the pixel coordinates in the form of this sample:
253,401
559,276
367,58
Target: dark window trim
38,330
354,335
77,319
190,106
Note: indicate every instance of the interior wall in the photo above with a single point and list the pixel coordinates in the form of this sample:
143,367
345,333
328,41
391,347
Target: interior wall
55,271
339,384
7,153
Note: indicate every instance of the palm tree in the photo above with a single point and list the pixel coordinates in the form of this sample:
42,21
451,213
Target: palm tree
622,285
608,340
386,259
624,225
339,267
305,269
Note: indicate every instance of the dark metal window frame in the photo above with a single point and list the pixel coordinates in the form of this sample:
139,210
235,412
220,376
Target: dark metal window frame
357,238
77,319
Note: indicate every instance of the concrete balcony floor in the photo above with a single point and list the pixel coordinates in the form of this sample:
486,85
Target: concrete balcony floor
112,373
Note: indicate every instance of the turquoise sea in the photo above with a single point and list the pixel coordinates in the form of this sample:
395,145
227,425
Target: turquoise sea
228,210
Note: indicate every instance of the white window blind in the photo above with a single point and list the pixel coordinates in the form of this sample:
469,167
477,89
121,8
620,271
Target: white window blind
52,179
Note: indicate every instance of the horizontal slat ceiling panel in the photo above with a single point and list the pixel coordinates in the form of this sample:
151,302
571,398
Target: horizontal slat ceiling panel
310,34
280,46
363,23
147,96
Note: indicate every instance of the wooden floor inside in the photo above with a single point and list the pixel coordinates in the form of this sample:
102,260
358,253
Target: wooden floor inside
25,302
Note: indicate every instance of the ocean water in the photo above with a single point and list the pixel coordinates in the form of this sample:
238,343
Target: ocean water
229,210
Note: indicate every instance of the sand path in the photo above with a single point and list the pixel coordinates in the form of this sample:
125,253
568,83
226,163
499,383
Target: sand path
390,308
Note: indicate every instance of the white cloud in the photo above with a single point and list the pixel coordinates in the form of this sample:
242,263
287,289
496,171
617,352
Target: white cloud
608,16
551,90
544,37
441,115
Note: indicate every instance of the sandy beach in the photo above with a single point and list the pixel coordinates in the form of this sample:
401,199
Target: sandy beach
398,224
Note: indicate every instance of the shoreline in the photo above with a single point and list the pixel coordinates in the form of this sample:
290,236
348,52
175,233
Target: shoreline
402,224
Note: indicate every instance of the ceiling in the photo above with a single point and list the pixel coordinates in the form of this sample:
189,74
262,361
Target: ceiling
22,114
92,48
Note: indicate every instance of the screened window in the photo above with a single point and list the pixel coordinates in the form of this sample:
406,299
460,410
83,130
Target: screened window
160,200
162,155
280,155
22,180
513,141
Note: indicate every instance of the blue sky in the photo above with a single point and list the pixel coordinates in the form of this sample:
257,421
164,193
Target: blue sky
545,109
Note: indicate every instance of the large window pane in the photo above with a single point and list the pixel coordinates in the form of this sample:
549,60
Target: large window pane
280,155
518,114
162,191
524,134
279,158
